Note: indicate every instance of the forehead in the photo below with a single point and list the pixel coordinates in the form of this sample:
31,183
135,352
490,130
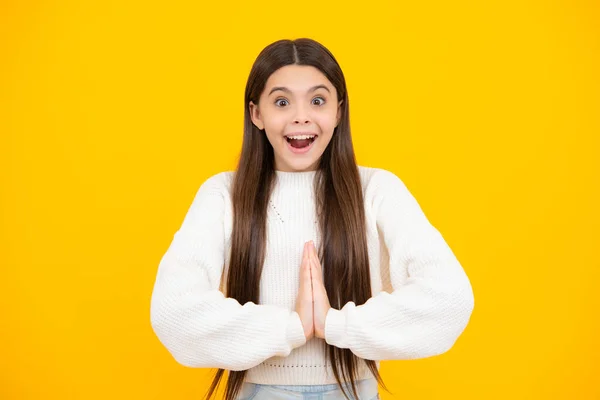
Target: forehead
297,78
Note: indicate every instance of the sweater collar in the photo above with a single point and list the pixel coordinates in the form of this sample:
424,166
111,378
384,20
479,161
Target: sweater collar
301,178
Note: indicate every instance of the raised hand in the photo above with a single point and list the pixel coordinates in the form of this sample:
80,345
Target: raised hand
320,299
304,301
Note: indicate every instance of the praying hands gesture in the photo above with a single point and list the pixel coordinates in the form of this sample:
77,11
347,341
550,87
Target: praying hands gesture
312,302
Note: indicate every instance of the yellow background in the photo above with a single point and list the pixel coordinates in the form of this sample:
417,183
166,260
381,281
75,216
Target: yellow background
113,113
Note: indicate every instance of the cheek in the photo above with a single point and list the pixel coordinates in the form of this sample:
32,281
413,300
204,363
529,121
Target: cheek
275,122
326,123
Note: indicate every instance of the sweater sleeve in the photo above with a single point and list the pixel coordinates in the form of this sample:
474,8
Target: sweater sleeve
192,318
432,298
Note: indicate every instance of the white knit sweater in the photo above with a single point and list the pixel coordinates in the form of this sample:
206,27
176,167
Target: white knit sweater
422,299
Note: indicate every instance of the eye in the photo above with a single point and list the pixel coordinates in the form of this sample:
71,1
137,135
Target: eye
322,100
278,100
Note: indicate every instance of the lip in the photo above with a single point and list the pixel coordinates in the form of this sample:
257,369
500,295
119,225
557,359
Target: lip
303,150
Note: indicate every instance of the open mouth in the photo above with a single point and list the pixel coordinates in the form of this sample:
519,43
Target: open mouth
301,142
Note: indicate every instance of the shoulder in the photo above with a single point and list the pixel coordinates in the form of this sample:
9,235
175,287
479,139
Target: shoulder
384,192
378,180
219,183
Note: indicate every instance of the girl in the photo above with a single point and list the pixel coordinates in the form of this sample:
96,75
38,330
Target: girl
298,272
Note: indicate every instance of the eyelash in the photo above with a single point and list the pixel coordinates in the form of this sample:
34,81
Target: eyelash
318,97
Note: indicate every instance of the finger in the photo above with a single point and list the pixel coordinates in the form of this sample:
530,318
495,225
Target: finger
307,256
315,257
318,285
313,251
305,269
314,271
306,252
310,272
307,265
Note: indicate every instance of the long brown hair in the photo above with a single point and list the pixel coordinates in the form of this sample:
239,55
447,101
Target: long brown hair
339,204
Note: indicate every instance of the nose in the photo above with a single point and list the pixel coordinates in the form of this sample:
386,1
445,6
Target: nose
301,115
301,120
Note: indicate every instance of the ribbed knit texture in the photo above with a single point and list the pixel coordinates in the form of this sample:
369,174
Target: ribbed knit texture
422,299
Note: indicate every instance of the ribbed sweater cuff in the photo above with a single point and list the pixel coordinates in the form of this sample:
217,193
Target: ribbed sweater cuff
295,331
335,328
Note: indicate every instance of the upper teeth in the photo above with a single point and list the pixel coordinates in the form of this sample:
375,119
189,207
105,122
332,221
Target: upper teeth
300,137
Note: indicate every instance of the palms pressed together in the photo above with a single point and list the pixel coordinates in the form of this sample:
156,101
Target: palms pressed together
312,303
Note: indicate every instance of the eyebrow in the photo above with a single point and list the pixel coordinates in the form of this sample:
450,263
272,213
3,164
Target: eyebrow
284,89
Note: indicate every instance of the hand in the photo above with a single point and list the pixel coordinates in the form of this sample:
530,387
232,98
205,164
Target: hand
320,299
304,301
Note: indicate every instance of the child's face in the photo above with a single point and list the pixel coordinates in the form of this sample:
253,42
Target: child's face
299,109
